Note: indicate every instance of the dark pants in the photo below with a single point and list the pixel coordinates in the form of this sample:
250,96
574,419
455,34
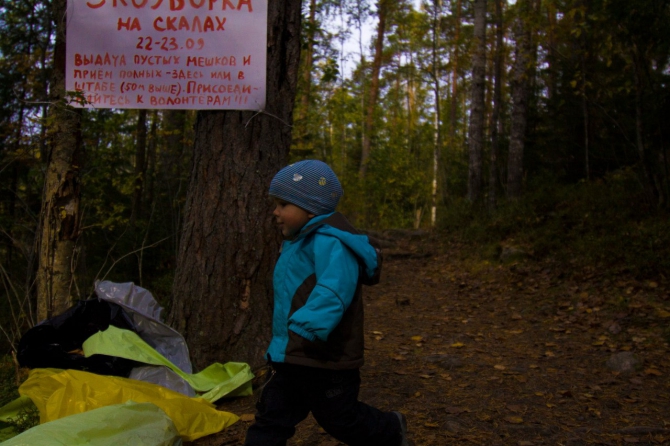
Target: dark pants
332,397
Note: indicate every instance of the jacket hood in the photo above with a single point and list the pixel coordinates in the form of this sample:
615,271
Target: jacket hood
336,225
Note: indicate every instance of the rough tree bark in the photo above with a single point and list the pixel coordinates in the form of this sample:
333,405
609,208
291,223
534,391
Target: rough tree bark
59,217
222,296
476,131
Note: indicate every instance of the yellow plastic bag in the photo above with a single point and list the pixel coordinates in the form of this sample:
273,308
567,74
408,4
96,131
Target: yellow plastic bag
136,424
59,393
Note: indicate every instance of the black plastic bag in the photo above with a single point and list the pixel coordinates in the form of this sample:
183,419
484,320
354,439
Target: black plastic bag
57,342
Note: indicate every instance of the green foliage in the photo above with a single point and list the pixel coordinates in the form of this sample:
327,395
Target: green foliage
25,419
606,223
8,390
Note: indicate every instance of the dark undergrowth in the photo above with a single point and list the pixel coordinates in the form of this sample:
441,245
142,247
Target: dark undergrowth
608,224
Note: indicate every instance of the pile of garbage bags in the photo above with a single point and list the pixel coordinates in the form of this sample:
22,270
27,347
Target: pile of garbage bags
108,371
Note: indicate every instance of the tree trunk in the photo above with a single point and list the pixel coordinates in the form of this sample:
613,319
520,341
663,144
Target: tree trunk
551,52
309,62
222,297
436,75
649,183
151,160
174,125
454,77
304,143
59,218
140,165
383,7
495,116
520,93
476,131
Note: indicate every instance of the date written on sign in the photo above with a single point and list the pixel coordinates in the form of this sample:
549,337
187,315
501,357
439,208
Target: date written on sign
149,43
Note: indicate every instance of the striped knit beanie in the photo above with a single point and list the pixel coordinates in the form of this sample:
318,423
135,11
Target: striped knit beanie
309,184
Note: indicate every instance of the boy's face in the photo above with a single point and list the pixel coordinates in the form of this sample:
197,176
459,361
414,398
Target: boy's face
290,217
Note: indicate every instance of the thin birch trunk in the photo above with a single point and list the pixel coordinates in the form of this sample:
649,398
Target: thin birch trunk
60,217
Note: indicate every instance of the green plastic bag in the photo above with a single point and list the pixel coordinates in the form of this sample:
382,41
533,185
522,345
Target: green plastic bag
137,424
214,382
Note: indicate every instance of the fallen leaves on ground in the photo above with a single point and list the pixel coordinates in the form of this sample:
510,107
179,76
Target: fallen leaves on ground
492,354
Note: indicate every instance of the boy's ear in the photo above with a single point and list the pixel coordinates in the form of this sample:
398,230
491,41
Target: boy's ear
311,216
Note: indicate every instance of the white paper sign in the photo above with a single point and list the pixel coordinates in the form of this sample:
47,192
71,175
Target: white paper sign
168,54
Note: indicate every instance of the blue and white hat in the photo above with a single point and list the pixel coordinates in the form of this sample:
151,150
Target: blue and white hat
309,184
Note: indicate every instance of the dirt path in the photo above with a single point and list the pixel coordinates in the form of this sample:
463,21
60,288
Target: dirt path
515,354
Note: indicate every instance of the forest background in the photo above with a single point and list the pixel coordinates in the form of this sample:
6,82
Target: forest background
538,127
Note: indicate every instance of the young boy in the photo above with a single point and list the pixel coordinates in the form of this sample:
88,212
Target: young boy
317,329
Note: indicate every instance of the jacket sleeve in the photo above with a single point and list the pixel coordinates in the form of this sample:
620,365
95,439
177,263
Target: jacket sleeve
336,269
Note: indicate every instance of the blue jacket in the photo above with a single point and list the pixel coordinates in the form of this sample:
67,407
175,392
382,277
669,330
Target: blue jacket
318,308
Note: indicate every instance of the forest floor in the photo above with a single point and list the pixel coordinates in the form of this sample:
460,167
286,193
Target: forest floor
515,353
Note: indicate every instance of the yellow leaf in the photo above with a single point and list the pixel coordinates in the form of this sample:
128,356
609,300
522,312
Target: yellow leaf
433,425
549,354
247,417
499,367
598,343
549,405
377,332
417,338
457,345
539,393
662,313
654,372
514,420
